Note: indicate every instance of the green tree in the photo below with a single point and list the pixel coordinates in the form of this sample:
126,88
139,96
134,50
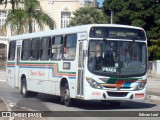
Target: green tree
154,50
20,19
16,20
88,15
13,2
142,13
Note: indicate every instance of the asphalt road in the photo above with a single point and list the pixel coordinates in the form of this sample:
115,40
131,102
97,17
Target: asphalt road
45,102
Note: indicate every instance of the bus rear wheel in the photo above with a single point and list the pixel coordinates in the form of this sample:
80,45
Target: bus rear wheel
66,95
24,91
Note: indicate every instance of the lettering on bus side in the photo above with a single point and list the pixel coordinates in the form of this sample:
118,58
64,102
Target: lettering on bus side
37,73
9,71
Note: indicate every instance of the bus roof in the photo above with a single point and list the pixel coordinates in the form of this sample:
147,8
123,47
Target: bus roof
68,30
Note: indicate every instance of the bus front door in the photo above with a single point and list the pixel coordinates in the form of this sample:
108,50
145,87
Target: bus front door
16,76
80,83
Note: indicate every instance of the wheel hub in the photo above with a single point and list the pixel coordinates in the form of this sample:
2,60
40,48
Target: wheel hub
23,89
66,96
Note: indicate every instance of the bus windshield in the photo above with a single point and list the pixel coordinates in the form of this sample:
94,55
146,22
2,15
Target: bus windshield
117,33
117,58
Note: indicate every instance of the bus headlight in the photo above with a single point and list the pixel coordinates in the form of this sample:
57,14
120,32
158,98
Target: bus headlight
93,83
140,85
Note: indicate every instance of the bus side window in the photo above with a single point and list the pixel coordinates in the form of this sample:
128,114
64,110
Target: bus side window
56,44
45,46
12,49
26,47
70,47
35,48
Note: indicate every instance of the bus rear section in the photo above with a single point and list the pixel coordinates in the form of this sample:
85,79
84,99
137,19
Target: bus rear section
13,60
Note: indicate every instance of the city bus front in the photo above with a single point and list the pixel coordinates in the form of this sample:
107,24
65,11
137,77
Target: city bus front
116,64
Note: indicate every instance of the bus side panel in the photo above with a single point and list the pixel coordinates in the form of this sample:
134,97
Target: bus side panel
49,84
49,87
10,72
69,74
38,74
54,79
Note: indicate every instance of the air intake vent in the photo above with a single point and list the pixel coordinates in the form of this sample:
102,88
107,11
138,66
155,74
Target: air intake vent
117,94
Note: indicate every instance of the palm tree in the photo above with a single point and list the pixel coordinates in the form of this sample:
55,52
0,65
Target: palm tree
16,20
34,12
21,18
13,2
87,15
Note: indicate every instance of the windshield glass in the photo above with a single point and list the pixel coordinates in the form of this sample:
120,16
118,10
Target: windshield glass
117,57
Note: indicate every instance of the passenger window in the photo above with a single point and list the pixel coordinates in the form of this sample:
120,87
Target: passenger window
56,52
35,49
70,47
12,49
26,47
45,48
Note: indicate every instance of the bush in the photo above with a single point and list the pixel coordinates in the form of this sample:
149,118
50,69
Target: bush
154,50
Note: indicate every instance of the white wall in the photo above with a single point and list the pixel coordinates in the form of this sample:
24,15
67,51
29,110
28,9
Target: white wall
154,68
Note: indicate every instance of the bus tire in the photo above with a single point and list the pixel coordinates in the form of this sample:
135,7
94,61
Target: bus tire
24,91
116,104
66,95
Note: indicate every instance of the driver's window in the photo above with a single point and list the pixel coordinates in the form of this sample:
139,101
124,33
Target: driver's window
95,55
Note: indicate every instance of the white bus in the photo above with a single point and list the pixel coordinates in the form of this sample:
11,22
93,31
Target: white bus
104,62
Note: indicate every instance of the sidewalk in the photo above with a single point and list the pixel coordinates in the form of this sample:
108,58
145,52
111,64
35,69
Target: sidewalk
153,85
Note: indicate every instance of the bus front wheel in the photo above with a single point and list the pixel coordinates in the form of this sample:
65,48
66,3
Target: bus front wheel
66,95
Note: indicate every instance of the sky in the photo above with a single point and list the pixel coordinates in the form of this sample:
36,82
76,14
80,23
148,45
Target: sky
100,2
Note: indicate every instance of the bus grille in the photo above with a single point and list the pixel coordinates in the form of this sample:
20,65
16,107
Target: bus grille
117,94
116,87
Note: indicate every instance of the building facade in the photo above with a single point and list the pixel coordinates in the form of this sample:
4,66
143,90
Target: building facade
4,35
61,10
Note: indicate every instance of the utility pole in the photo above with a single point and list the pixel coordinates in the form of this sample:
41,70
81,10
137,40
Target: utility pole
112,14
